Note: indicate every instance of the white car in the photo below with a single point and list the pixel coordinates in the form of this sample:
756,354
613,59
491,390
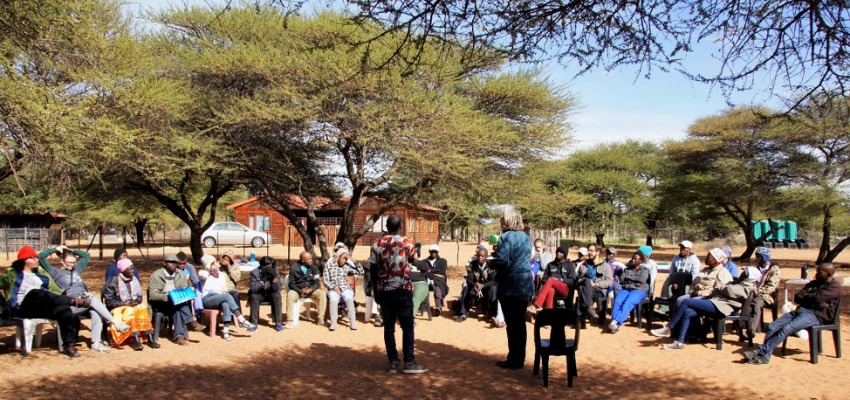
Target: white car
233,233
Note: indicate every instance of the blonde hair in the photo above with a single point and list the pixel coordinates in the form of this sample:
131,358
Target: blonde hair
512,219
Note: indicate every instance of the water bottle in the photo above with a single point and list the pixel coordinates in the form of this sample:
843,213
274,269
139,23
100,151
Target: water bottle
804,272
253,257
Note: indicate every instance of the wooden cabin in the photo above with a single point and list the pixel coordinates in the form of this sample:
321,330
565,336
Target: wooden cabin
421,222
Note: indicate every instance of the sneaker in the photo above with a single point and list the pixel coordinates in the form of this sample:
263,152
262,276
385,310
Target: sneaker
392,367
661,332
291,325
591,312
71,351
353,326
461,318
438,311
614,327
278,327
414,369
226,336
99,347
82,302
674,346
750,354
247,324
181,341
532,309
758,360
196,327
120,326
379,323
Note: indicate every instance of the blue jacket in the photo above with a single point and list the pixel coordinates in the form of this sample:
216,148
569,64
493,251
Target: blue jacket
512,261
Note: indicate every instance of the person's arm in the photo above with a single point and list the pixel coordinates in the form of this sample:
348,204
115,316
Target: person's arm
327,278
314,281
42,259
607,276
570,279
695,266
156,289
83,263
234,273
642,276
275,284
254,283
293,278
770,283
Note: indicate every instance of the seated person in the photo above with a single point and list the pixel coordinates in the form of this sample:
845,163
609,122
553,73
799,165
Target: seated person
372,306
594,278
162,281
112,270
338,287
437,275
729,264
187,267
765,287
710,278
304,278
707,299
215,296
31,293
123,296
558,277
68,278
265,285
650,263
480,284
617,268
633,288
683,270
232,275
817,304
419,271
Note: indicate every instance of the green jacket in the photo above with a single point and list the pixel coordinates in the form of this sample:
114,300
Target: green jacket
156,289
10,281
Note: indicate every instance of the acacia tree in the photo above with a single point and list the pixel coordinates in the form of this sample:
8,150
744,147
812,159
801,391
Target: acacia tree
730,165
821,129
300,92
801,45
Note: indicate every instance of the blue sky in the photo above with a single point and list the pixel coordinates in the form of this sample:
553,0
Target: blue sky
621,104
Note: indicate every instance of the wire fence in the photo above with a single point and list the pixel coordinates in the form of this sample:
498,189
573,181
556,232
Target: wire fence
12,239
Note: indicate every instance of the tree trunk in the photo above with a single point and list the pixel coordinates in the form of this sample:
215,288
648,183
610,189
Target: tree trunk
600,239
826,230
139,224
750,239
649,240
195,245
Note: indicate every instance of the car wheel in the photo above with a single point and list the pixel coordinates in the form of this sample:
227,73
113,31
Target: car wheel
257,242
209,242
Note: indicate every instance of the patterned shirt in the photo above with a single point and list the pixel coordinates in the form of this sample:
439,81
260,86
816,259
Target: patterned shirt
391,253
336,276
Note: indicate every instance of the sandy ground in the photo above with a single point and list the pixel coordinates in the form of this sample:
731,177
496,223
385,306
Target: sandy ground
311,362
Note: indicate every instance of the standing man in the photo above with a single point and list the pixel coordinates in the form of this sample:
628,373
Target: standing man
391,257
304,278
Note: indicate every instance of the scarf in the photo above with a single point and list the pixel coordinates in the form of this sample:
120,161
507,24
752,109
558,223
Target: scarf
129,290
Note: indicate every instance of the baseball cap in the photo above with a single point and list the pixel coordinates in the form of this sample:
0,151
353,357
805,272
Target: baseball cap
687,244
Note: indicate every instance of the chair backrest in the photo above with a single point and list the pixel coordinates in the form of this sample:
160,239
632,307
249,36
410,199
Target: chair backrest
836,319
557,319
747,307
5,310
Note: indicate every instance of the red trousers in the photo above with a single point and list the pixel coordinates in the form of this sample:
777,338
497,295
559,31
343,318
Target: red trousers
546,297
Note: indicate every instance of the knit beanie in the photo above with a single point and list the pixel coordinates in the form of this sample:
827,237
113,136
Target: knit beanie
124,264
118,252
764,252
646,250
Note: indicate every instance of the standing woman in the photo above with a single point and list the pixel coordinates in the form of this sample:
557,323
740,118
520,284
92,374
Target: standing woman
514,282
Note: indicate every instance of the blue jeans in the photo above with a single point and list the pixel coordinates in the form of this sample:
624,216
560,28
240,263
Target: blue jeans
347,295
691,308
180,314
398,304
624,302
225,300
778,330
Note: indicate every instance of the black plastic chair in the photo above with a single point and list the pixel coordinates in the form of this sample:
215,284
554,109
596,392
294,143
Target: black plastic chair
816,339
557,344
645,306
741,317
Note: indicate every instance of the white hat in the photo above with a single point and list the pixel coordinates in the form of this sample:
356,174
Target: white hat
207,260
339,245
582,250
434,247
687,244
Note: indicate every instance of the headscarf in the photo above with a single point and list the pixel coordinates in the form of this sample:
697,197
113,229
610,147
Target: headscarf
751,274
209,263
764,252
718,255
123,264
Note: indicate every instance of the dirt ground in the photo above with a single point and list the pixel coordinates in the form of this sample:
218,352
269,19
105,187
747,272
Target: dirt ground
311,362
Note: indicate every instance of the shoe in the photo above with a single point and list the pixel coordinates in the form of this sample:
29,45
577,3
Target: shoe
509,366
135,343
99,347
379,323
82,302
71,351
194,326
392,367
291,325
532,309
674,346
226,335
120,326
614,327
501,364
750,354
437,312
414,369
758,360
661,332
247,324
153,344
461,318
353,326
332,328
591,312
181,341
278,327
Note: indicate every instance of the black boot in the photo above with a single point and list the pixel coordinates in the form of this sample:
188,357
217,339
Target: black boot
135,342
71,350
151,342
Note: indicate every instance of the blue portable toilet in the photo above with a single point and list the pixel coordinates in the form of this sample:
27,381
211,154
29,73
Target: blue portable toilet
757,229
780,233
791,230
765,226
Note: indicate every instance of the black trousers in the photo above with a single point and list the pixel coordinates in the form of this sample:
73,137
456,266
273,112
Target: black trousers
43,304
487,302
514,309
398,304
254,300
586,293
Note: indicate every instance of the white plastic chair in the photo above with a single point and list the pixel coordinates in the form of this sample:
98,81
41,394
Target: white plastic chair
34,326
297,308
